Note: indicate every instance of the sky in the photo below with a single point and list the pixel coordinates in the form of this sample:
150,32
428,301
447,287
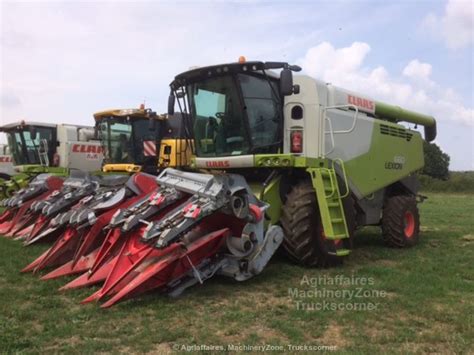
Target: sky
61,61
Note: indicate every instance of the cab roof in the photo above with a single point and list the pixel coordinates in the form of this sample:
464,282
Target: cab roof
201,73
18,124
130,112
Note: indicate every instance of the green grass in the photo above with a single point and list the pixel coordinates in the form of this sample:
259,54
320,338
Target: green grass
428,304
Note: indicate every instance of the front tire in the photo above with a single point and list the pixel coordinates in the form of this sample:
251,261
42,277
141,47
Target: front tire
401,221
304,241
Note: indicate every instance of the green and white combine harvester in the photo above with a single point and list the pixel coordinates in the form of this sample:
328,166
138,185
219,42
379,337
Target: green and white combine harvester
280,160
37,148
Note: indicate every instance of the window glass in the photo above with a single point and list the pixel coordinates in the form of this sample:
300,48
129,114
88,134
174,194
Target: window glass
25,149
219,127
262,110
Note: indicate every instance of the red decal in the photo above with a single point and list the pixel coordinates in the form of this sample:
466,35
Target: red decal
360,102
5,159
218,164
86,148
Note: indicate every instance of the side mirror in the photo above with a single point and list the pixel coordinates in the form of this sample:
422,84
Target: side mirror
152,124
286,82
33,133
171,100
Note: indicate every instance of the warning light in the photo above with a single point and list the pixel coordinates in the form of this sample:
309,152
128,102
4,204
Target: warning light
296,139
242,59
142,106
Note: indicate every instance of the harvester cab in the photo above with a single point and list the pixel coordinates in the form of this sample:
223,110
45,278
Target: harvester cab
141,140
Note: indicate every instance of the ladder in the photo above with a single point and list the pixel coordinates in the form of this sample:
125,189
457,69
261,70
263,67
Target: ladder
331,208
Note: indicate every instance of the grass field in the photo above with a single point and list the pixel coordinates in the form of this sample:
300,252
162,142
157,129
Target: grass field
415,300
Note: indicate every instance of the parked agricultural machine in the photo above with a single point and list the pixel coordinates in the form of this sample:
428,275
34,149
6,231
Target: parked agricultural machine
279,160
141,140
38,148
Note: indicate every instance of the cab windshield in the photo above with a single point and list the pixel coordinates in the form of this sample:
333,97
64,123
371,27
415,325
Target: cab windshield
26,150
122,140
235,115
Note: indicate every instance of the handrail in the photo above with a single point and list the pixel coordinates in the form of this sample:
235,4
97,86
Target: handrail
331,134
331,182
356,116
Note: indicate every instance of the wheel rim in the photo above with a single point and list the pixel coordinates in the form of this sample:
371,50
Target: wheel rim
409,222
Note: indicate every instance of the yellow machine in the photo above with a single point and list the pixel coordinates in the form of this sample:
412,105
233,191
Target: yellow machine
136,140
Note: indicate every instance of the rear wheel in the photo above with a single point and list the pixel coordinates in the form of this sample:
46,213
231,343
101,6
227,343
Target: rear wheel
304,241
401,221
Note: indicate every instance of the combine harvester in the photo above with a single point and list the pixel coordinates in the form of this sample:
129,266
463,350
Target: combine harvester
282,160
130,138
38,148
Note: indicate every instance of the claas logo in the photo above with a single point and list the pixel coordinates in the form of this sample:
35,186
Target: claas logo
360,102
5,159
92,152
218,164
85,148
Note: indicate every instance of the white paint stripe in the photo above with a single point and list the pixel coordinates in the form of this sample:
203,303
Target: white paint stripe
149,148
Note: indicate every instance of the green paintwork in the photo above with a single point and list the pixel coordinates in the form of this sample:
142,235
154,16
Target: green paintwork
274,160
330,203
287,161
375,169
40,169
23,178
396,113
271,195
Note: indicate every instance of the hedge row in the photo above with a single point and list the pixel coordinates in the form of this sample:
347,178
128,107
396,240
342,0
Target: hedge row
459,181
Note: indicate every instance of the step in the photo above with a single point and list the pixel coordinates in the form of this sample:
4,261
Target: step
340,252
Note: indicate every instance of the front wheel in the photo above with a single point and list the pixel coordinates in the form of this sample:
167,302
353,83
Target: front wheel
304,241
401,221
